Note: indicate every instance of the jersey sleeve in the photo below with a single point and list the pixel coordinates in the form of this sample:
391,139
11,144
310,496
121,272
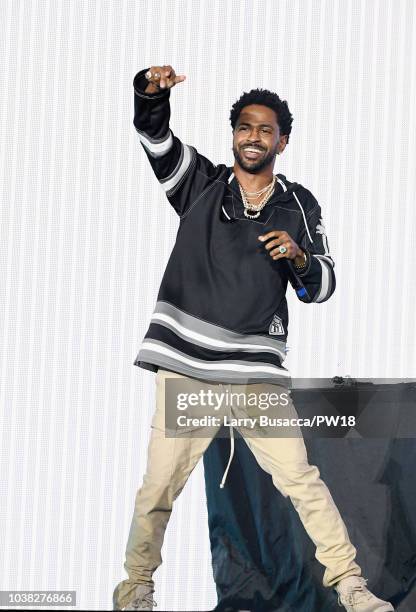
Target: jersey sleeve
316,283
182,172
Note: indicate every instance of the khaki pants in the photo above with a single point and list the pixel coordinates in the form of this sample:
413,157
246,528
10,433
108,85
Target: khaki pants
169,465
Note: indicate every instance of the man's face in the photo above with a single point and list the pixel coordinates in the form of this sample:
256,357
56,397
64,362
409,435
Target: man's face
256,138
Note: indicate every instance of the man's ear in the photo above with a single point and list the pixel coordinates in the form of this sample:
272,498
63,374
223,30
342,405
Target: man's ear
282,143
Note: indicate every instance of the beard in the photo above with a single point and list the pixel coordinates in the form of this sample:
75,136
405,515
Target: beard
255,166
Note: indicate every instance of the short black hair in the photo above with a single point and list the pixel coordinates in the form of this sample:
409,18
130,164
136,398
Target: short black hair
265,98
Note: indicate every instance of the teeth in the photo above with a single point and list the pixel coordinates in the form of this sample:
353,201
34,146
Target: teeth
253,150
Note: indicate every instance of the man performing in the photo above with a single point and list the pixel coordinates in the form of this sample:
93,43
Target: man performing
221,317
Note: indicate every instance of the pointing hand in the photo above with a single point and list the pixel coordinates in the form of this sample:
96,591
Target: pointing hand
162,77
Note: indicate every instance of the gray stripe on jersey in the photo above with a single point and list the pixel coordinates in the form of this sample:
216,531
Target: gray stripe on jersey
326,282
185,159
157,147
326,258
213,336
166,357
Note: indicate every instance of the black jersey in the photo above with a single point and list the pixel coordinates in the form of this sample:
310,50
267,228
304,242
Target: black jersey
221,311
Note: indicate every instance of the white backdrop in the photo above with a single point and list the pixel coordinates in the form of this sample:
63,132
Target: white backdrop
85,233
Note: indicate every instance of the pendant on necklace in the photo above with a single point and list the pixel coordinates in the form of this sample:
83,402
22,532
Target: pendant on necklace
251,214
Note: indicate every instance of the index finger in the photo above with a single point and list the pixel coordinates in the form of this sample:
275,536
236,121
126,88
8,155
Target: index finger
166,73
273,234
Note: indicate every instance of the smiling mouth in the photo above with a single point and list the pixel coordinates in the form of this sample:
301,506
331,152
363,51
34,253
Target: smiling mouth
252,152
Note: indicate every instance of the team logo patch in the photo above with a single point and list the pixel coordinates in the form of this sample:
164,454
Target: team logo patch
276,327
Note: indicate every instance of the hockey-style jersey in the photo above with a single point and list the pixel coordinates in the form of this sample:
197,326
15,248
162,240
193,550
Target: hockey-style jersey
221,311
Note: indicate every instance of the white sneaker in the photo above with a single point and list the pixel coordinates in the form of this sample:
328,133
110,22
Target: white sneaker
142,599
355,597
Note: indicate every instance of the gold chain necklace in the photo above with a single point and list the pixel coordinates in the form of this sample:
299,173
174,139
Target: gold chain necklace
259,192
252,211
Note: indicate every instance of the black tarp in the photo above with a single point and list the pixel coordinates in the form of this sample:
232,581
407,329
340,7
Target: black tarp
261,555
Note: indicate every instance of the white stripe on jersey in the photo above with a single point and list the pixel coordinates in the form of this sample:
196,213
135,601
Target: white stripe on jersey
325,281
156,149
213,343
179,171
250,368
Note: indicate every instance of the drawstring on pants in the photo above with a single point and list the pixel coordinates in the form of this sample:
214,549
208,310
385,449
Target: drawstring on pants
224,478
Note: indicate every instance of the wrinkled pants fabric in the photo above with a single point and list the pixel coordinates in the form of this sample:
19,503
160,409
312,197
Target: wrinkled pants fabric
170,462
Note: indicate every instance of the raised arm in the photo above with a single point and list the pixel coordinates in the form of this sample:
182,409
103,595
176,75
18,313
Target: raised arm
182,172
